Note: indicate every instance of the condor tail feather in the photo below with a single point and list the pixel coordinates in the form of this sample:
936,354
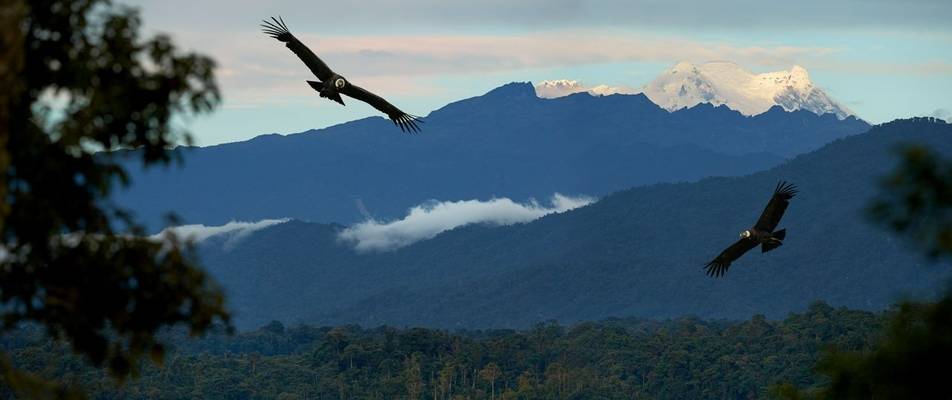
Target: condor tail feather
781,234
770,245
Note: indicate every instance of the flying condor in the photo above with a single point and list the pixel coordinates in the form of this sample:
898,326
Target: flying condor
331,84
762,233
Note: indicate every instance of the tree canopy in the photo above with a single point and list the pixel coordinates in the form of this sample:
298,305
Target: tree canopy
916,200
81,89
685,358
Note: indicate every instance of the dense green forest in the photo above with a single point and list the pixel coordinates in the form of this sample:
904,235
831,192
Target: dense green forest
614,358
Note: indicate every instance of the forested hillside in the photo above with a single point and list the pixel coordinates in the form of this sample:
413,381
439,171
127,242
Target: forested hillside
685,358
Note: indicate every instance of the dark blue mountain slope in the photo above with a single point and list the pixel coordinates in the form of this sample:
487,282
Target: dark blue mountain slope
637,252
506,143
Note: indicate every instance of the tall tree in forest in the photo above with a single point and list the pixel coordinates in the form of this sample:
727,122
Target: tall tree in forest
446,379
490,373
82,89
557,375
413,377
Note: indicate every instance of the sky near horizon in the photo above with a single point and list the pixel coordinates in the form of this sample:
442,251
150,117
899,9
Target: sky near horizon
882,59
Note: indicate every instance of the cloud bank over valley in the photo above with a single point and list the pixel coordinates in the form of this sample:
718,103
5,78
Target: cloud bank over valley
429,219
236,230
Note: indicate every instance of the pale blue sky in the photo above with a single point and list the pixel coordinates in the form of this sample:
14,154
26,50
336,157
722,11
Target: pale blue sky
882,59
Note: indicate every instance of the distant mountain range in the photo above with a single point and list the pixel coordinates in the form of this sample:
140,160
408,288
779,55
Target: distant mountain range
638,252
508,142
719,83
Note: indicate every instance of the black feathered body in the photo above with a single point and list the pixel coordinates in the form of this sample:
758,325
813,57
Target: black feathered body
767,240
760,236
328,88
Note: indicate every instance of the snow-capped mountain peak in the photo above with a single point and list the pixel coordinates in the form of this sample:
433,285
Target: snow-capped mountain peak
563,87
558,88
718,82
686,84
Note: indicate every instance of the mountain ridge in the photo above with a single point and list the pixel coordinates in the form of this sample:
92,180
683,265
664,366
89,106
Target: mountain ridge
637,252
506,143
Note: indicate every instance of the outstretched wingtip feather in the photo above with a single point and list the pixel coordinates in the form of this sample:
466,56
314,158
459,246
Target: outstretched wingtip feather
786,190
407,123
715,269
412,121
276,29
719,265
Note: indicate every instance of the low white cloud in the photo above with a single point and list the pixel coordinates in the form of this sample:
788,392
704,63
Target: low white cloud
196,233
428,220
235,230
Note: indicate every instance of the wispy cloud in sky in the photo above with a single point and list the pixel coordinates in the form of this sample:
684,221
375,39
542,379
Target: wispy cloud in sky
428,220
398,64
456,54
409,15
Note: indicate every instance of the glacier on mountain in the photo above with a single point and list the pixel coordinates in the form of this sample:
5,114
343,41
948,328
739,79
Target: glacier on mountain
719,83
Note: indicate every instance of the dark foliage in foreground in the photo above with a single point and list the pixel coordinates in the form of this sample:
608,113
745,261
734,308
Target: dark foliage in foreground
78,79
615,358
911,361
916,200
